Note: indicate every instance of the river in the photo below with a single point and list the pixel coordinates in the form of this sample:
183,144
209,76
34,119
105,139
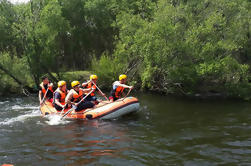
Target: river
165,131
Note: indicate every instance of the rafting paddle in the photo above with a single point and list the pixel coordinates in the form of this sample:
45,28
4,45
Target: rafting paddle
100,90
75,106
127,94
44,97
63,109
42,102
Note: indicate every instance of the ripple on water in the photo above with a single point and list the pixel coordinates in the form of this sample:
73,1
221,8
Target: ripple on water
218,154
245,143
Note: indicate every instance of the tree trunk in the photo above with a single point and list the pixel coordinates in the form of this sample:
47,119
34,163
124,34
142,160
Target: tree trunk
17,80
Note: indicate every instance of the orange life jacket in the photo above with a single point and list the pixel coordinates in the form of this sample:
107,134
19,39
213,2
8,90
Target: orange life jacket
118,91
62,95
44,90
90,85
77,96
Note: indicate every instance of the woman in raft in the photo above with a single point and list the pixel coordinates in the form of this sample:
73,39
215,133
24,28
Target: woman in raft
118,88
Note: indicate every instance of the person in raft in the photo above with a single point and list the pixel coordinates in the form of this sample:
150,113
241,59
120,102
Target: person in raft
59,96
118,88
92,84
76,94
45,88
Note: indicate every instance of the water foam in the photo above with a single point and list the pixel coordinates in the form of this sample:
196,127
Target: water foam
21,118
55,120
18,107
32,111
3,102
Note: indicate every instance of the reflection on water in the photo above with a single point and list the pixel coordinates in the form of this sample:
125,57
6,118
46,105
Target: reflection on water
84,142
166,131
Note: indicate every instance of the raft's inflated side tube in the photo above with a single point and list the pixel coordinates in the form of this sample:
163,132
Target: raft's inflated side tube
122,111
47,108
115,109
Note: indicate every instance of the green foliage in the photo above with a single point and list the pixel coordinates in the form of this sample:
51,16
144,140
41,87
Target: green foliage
18,68
7,17
107,69
198,45
49,31
70,76
172,46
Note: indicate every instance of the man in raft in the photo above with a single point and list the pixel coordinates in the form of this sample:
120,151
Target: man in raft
76,94
92,83
45,88
118,88
59,96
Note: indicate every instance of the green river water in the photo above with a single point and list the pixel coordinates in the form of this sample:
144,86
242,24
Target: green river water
165,131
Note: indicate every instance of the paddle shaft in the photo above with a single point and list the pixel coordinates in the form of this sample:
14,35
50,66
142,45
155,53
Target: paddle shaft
126,94
44,99
63,110
44,96
99,90
75,106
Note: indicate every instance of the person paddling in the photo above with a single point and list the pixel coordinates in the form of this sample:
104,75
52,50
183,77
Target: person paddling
76,94
92,83
45,90
59,96
118,88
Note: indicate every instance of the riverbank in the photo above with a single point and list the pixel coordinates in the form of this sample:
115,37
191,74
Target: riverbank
104,82
9,86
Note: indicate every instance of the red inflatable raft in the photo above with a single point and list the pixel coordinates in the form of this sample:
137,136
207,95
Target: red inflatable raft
104,110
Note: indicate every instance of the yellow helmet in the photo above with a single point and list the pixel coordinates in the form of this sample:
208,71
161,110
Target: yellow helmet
61,83
93,77
122,76
75,83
